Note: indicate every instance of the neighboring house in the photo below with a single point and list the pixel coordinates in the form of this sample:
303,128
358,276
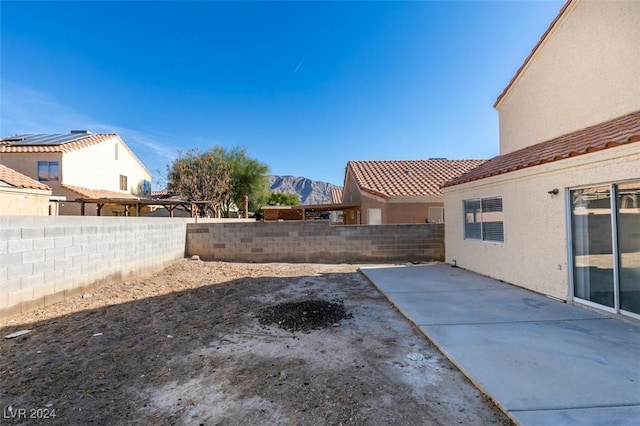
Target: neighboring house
558,212
399,191
79,165
336,216
22,196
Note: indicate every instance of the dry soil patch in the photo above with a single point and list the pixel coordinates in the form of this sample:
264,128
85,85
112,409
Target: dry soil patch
200,343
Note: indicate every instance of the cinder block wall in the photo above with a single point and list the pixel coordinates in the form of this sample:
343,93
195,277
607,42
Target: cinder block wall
315,242
46,259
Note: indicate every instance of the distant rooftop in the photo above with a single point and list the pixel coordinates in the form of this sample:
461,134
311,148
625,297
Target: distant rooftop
408,178
47,142
336,194
9,177
44,139
42,142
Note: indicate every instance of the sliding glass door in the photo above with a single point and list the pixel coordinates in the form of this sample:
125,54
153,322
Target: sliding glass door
592,249
629,246
605,229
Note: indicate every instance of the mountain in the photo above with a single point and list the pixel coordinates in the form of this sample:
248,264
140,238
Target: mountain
309,191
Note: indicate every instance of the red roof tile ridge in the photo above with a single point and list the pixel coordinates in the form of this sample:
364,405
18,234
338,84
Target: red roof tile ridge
610,134
89,140
533,52
388,178
17,179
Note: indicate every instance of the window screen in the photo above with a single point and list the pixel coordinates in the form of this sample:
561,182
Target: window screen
472,220
484,219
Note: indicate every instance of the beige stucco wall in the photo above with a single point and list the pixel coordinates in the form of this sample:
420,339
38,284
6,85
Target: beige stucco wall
350,191
411,209
27,163
586,72
96,167
534,253
399,210
23,202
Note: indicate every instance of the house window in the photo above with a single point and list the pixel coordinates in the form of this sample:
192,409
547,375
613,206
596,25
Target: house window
116,150
436,215
484,219
146,188
48,171
374,216
123,183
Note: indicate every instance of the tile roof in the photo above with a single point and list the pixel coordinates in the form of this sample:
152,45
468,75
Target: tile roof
99,193
29,143
407,177
10,144
336,194
533,52
612,133
19,180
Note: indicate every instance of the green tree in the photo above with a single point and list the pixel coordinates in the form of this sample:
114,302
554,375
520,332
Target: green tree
281,199
248,177
197,176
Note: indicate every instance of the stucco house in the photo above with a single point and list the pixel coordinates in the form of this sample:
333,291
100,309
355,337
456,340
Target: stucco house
336,216
21,195
558,211
399,191
78,164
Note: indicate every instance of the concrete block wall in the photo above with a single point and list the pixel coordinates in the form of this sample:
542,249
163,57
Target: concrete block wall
45,259
315,242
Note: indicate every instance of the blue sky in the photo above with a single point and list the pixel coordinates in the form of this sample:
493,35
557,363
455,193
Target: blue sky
303,86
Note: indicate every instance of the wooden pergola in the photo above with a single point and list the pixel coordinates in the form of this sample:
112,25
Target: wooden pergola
137,203
301,212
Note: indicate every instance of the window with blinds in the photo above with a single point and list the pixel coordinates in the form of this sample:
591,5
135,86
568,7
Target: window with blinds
484,219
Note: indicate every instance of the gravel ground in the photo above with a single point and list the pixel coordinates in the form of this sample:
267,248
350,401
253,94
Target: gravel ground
216,343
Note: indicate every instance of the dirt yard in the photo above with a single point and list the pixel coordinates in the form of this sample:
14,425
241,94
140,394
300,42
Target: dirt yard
210,343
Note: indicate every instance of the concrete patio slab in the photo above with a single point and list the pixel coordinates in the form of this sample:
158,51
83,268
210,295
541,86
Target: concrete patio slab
441,278
619,416
547,365
490,301
543,361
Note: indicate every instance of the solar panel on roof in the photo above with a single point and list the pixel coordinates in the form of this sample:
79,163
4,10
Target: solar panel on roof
44,139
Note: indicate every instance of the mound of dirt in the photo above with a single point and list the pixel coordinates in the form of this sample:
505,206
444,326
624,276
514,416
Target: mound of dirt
305,315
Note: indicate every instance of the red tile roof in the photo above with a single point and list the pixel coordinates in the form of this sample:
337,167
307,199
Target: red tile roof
19,180
10,145
407,178
336,194
533,52
99,193
612,133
